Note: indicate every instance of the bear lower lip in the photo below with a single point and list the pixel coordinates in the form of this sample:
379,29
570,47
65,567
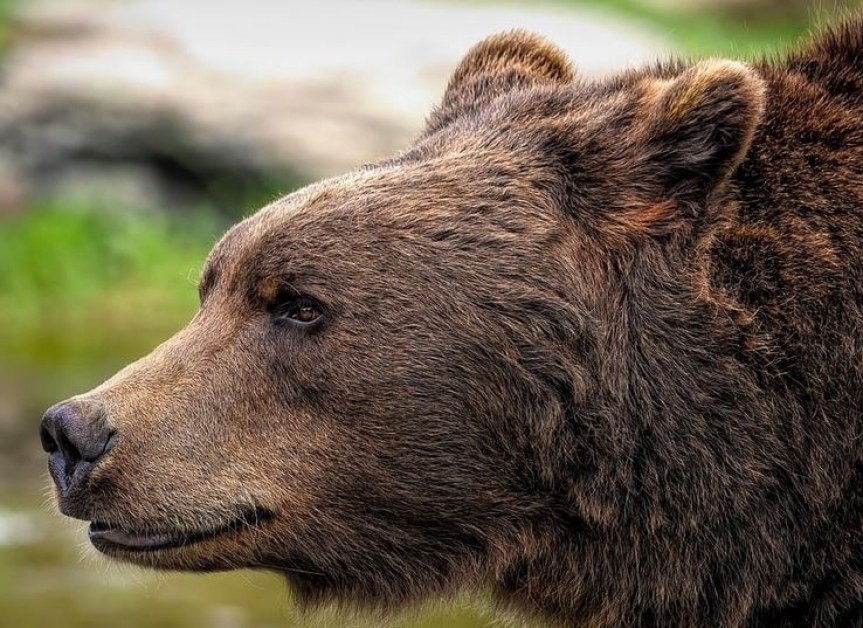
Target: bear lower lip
101,534
106,537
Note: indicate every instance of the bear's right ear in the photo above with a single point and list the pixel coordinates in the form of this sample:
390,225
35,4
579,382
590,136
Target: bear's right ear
496,65
690,133
700,125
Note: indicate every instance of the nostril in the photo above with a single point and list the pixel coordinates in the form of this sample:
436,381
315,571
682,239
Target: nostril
48,442
69,450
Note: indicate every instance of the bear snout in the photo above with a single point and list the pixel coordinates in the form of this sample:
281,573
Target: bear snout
76,436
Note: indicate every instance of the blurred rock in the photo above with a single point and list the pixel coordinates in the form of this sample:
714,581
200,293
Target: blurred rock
177,102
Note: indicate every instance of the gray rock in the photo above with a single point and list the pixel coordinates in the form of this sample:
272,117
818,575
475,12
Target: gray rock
174,102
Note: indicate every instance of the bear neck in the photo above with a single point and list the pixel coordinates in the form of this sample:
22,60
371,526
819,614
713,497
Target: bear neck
716,475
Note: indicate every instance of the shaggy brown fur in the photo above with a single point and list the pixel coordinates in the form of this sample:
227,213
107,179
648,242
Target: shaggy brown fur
599,344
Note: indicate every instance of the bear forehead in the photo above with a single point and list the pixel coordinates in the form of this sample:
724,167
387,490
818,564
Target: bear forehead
367,211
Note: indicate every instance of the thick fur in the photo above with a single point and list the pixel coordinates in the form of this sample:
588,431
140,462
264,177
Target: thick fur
597,344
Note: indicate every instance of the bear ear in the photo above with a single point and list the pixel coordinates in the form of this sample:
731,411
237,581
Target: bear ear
698,127
500,63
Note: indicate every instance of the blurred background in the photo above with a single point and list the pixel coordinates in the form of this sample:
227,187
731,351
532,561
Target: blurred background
132,132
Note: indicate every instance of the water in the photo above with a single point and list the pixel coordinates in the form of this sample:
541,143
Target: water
50,575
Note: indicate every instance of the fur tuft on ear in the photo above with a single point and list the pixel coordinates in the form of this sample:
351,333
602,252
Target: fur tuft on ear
700,125
500,63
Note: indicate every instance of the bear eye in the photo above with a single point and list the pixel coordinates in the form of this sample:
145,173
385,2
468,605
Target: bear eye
298,309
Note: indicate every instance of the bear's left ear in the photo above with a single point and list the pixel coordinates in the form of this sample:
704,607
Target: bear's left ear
496,65
698,127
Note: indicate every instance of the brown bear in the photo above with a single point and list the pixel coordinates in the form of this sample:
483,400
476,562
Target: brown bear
598,345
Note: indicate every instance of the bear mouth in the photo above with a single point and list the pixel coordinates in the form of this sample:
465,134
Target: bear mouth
110,538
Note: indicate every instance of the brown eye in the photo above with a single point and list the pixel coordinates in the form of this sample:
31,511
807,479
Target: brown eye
300,310
304,313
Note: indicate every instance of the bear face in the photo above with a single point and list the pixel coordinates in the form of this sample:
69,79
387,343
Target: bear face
310,389
495,356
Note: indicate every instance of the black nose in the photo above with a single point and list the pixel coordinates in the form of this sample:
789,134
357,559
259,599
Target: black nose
76,436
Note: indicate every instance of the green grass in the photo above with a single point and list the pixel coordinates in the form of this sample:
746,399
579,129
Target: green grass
83,279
